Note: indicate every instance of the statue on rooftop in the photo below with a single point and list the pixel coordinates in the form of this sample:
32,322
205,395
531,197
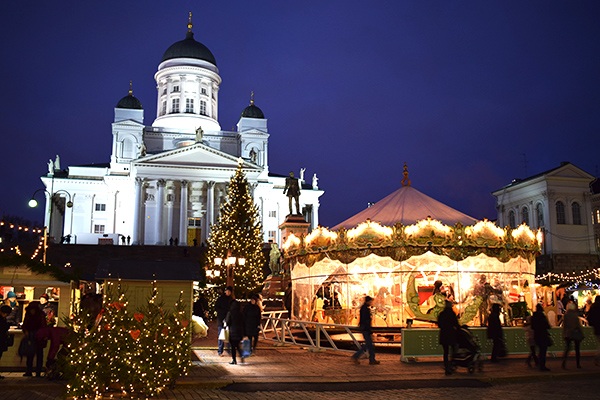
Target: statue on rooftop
292,190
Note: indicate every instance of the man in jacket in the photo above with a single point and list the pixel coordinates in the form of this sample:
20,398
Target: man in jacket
222,308
448,324
365,325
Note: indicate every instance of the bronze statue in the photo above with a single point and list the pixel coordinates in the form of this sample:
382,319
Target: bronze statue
292,190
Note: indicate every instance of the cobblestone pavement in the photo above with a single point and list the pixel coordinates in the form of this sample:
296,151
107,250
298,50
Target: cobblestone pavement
554,389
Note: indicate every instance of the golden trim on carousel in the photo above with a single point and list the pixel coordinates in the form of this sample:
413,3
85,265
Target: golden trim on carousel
412,270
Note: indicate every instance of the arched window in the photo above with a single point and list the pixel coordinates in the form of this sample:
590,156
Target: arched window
576,210
598,216
525,215
560,213
540,215
511,218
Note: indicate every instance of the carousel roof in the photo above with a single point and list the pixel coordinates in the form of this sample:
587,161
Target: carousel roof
407,205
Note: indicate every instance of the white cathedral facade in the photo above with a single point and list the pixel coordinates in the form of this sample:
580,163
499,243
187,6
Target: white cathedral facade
166,182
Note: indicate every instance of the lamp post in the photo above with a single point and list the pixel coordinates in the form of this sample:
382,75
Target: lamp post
230,262
33,203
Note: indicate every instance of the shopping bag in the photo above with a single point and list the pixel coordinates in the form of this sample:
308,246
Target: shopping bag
246,348
27,346
224,334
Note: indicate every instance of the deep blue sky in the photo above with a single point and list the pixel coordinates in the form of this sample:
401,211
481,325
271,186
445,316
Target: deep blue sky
459,90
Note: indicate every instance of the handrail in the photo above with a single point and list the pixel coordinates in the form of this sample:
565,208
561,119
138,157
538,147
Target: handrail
281,327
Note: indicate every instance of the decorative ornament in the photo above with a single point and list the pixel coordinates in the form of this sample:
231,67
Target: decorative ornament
135,334
138,317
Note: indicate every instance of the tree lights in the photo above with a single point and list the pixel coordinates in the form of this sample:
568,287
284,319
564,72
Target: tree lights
236,239
136,353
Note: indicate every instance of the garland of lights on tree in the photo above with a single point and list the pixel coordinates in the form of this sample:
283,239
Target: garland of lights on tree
238,232
129,353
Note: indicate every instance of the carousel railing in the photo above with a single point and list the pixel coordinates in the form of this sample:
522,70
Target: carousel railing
273,324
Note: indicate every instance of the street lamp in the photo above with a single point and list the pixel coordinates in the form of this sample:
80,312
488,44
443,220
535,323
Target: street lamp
33,203
230,262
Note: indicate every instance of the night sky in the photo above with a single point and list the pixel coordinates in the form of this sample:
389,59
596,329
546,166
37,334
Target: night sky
471,94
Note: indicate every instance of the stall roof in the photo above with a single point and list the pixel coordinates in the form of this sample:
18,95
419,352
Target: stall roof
160,270
407,205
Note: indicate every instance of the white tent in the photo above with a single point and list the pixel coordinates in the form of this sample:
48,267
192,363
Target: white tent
407,205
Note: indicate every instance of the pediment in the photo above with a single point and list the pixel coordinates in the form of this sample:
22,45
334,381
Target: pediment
195,156
570,171
128,122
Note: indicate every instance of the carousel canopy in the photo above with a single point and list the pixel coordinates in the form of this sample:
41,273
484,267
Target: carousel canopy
407,205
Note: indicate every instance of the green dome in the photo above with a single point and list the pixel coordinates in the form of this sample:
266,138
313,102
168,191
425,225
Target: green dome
253,112
130,101
189,48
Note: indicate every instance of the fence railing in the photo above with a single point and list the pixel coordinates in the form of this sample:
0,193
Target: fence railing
273,324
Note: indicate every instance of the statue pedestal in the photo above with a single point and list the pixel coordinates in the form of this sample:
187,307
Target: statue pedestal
293,224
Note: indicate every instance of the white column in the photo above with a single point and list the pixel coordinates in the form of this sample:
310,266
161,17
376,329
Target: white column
315,215
137,210
160,184
183,213
210,206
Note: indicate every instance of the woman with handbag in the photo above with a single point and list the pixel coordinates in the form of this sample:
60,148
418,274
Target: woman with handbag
572,332
35,319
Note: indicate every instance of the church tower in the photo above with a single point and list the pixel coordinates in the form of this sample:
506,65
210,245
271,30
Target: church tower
188,87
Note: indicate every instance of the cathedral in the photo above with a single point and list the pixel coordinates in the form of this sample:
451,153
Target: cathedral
165,182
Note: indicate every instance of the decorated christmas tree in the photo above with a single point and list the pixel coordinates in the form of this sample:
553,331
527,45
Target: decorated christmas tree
238,233
118,351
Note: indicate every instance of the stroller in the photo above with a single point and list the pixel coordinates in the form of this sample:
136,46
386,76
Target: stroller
468,354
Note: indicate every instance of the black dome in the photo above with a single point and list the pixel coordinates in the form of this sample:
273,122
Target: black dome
189,48
130,101
253,112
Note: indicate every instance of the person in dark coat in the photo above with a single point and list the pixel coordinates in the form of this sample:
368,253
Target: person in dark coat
365,325
201,307
572,332
235,324
252,317
494,332
449,327
4,312
540,326
594,321
222,306
14,318
35,319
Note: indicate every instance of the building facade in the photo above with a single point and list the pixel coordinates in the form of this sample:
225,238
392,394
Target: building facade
165,182
559,202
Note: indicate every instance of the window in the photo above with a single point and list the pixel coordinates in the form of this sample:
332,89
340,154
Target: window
203,90
98,228
175,89
175,106
525,215
163,111
598,216
189,105
194,222
100,207
273,214
576,211
164,91
511,219
202,107
560,213
272,236
540,215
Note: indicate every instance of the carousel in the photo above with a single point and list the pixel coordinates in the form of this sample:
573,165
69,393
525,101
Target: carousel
412,269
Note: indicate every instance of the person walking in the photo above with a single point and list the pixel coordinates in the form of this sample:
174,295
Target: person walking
494,332
529,336
572,332
540,326
449,326
365,324
252,317
235,325
594,321
222,306
4,312
35,319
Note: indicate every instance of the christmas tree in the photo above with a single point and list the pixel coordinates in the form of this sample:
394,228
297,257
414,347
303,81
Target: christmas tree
135,353
238,233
